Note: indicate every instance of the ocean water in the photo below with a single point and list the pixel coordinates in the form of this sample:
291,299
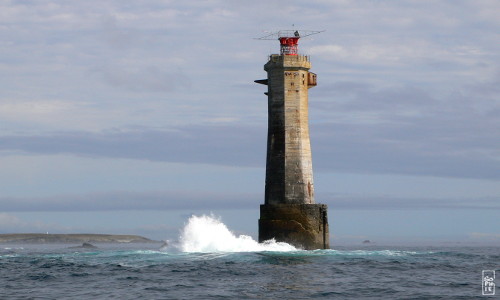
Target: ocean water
209,262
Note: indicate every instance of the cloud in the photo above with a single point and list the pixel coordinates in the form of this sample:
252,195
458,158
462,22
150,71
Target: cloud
407,88
127,200
408,128
418,149
340,202
10,223
35,109
421,143
192,200
224,144
144,79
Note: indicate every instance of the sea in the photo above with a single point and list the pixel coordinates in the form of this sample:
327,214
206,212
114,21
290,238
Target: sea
208,261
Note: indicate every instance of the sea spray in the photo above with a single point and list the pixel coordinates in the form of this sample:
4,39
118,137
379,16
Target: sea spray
208,234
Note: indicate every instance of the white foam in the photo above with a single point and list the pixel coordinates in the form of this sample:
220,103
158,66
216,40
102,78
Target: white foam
208,234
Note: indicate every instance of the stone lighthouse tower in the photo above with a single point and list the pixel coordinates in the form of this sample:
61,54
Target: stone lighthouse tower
289,213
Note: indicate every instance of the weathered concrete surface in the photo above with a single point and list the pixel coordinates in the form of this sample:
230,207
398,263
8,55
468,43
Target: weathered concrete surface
289,177
302,225
290,213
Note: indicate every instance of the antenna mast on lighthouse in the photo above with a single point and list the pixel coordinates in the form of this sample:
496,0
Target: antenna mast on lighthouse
289,39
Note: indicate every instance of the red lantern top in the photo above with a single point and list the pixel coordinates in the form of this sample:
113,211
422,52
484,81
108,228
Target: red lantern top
289,45
289,39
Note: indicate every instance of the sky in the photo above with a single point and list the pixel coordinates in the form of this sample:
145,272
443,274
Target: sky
130,116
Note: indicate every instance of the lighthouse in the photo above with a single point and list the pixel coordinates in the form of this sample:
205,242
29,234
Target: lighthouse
290,213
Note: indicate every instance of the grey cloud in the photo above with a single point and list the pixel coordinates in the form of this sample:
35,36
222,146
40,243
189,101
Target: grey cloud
110,201
408,203
405,130
144,78
413,131
182,200
490,88
422,148
419,149
223,145
117,37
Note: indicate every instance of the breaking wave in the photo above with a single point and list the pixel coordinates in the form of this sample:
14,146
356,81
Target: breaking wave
208,234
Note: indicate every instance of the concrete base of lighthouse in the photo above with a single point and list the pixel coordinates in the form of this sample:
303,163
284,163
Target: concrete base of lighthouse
303,225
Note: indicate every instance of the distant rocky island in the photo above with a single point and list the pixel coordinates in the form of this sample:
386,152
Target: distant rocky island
41,238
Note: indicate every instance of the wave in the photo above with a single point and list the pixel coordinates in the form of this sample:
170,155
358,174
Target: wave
207,234
378,253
